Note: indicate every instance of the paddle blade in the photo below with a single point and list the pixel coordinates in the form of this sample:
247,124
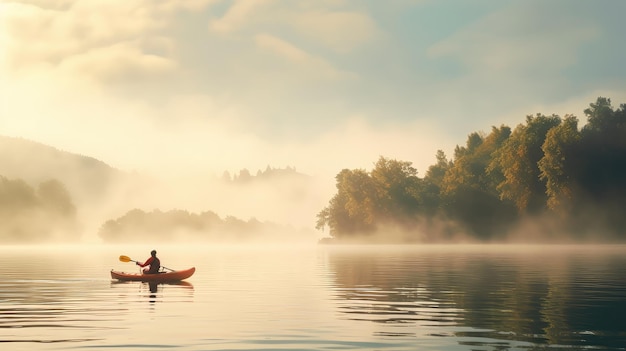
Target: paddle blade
125,258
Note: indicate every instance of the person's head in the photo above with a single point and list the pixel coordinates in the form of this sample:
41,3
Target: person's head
153,253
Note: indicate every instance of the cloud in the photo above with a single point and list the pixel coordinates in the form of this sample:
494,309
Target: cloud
307,64
38,35
119,62
194,132
520,55
321,22
64,32
238,16
520,39
189,5
47,4
343,31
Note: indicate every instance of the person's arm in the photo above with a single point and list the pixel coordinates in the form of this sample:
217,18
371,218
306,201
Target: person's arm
148,261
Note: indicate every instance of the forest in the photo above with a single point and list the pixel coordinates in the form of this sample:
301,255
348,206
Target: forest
548,179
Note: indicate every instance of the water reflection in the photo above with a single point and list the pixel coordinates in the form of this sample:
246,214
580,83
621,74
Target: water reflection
154,291
153,288
485,297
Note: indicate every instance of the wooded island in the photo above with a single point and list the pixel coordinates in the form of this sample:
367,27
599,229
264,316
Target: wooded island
545,180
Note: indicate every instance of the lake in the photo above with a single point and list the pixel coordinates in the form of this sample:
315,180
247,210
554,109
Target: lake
317,298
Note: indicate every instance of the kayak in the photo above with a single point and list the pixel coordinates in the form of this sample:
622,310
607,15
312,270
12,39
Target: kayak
157,277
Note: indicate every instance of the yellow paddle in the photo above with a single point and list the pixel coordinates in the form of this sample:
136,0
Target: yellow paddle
127,259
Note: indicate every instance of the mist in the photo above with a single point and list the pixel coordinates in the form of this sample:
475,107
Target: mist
172,155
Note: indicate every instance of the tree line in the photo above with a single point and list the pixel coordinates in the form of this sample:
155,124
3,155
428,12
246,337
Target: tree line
181,225
244,176
547,172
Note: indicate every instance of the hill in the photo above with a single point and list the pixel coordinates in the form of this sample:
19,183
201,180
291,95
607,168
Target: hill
86,178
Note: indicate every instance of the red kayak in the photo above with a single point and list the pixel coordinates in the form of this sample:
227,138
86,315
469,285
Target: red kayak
158,277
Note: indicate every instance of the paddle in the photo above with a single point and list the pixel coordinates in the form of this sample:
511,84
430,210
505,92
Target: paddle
127,259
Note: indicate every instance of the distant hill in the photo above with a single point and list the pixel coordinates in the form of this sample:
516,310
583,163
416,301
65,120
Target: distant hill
85,177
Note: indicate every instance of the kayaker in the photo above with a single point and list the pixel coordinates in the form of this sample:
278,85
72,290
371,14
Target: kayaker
153,262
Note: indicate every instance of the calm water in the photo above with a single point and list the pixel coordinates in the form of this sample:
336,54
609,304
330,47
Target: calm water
318,298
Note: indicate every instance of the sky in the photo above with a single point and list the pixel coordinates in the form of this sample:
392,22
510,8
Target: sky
198,86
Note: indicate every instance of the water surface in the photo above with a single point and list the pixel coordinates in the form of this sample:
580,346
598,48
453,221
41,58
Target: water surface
318,298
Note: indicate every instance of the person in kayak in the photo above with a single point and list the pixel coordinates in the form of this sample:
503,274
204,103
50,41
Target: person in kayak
153,262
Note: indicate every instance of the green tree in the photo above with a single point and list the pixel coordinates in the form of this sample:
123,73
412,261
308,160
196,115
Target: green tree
469,187
397,189
601,169
601,117
603,151
518,159
557,167
430,194
436,172
351,211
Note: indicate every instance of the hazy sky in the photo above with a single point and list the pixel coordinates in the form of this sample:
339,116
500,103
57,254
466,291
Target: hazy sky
321,85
